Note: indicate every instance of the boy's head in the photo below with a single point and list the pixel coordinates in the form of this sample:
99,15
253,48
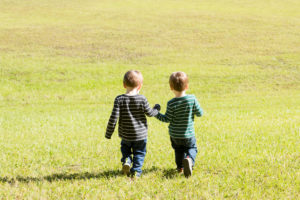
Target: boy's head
133,79
179,81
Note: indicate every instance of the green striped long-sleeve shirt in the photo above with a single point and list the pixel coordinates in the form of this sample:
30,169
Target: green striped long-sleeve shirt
180,114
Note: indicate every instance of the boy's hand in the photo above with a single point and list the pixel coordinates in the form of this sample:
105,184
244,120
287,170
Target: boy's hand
157,107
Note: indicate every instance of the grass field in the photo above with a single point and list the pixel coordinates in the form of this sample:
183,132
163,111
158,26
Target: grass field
61,66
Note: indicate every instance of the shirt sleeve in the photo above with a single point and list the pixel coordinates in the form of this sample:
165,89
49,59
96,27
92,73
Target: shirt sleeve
113,119
197,110
148,110
167,117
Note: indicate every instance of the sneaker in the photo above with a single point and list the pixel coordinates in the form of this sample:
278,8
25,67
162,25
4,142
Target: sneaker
180,170
135,175
126,168
187,167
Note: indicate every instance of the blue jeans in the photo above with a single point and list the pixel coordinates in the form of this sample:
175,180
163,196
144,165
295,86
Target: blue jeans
184,147
138,150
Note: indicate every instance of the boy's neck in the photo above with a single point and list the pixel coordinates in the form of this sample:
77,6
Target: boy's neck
132,91
179,94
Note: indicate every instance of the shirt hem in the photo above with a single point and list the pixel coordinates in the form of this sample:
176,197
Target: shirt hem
133,140
182,137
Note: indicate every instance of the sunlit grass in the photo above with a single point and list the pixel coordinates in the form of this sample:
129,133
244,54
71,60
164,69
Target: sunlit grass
61,66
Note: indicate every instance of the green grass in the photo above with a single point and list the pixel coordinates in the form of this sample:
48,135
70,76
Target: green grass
61,66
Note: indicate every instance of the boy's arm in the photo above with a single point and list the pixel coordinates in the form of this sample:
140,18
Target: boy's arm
150,112
197,110
167,117
112,120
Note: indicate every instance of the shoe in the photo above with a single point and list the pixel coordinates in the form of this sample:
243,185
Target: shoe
126,169
187,167
180,170
135,174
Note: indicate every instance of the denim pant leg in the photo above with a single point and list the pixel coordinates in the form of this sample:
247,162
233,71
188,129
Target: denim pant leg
126,151
179,152
139,153
191,148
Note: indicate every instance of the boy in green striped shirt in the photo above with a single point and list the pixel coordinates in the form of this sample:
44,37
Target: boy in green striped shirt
180,114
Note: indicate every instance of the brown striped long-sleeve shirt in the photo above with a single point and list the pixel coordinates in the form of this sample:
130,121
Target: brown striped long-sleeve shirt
131,112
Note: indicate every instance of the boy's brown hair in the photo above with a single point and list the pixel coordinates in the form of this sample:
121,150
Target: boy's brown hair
133,78
178,81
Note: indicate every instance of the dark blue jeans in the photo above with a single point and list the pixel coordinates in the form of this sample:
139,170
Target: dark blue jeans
138,150
184,147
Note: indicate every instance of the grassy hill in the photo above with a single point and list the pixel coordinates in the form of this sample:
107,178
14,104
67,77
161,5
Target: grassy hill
61,66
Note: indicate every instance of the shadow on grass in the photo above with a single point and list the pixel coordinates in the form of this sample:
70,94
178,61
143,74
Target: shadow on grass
170,173
69,176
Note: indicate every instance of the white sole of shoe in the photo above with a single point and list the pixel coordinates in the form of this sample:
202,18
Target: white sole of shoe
187,167
126,169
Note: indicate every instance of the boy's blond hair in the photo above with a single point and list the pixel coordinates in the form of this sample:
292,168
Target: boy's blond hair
178,81
133,78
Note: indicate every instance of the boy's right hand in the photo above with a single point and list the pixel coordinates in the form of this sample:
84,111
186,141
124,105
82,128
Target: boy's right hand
157,107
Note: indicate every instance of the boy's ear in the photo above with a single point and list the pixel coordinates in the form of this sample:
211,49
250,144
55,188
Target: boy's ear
187,87
124,85
140,86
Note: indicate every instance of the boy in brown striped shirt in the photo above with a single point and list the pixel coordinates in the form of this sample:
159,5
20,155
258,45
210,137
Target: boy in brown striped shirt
131,109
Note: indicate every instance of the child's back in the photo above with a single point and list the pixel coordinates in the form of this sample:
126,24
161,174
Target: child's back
131,110
180,114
